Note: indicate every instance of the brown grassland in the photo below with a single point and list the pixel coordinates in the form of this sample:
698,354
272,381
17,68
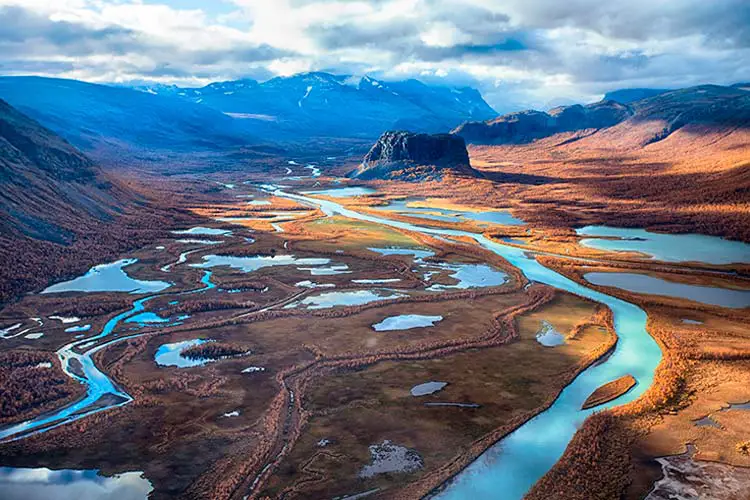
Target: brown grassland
326,376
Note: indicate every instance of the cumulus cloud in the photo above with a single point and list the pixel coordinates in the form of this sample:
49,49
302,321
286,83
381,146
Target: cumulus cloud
520,53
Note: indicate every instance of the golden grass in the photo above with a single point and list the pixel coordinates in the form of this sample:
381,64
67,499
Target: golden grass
609,391
355,409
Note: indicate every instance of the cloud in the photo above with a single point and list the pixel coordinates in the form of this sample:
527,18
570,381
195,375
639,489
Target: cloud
519,53
26,32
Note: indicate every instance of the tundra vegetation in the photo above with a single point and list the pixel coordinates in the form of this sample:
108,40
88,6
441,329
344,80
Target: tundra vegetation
319,392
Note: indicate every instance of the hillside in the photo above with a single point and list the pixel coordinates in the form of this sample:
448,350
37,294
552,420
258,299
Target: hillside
626,96
705,106
320,104
113,122
652,118
48,187
415,157
679,163
59,212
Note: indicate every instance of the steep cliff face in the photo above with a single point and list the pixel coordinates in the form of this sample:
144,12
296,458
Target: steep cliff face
525,126
410,156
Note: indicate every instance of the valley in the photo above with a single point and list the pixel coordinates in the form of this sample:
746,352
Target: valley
299,388
547,305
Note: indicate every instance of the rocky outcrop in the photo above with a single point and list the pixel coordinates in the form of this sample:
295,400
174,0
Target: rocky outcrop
525,126
410,156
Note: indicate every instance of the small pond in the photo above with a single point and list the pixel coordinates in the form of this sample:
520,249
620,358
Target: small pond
451,215
388,457
207,231
470,276
417,253
146,318
350,298
548,336
427,388
253,263
171,354
376,281
343,192
199,242
405,322
79,328
327,271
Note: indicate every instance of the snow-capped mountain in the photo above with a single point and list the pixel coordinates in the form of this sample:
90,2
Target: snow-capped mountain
319,104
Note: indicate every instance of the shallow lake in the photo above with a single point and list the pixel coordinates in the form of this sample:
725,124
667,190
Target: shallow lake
108,278
45,484
249,264
666,247
405,322
643,283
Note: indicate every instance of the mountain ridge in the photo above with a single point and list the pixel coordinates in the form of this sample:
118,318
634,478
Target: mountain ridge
648,120
122,121
328,102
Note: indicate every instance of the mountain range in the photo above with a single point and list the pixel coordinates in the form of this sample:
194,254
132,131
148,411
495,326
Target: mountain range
165,125
172,128
323,104
653,118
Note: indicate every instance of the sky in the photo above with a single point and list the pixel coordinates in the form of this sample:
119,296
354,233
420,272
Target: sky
518,53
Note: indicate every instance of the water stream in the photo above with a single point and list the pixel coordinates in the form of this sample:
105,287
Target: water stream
517,461
510,466
101,392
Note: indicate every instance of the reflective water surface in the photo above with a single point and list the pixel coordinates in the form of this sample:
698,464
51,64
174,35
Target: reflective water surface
110,277
46,484
666,247
643,283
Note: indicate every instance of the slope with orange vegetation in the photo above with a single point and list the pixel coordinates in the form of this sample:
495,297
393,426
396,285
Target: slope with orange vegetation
673,166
